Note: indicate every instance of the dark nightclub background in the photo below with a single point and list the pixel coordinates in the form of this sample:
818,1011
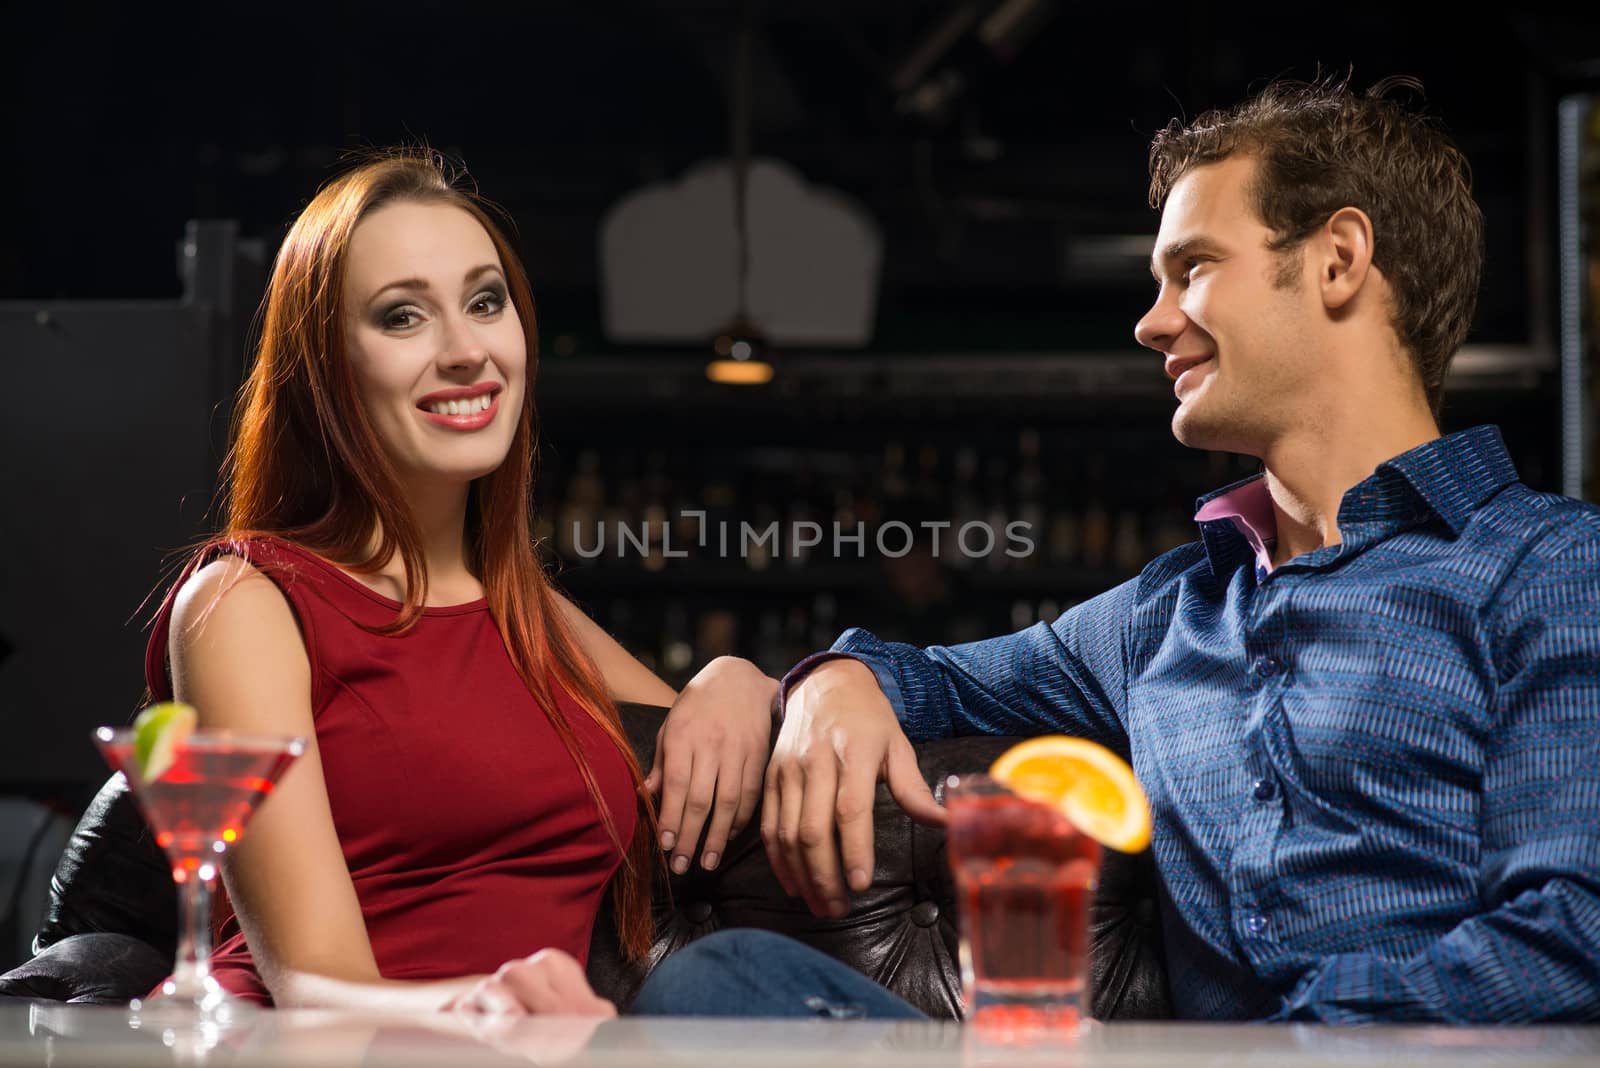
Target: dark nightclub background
995,149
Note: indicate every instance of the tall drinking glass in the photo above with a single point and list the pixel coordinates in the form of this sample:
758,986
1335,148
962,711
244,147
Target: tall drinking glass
197,808
1026,878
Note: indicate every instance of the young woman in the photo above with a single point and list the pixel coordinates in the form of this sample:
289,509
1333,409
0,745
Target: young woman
467,795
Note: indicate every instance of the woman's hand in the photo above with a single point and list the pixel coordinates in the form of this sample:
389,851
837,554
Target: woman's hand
711,758
549,983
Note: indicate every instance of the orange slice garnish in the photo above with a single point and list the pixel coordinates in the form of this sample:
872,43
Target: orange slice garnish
1088,783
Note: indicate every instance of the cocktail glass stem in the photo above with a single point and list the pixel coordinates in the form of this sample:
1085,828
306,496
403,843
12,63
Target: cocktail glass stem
191,972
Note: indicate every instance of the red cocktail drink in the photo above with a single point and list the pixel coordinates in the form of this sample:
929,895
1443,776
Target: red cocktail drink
197,808
1026,879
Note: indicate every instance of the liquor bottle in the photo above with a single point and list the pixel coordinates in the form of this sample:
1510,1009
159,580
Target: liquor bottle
1096,541
619,526
823,628
930,490
798,525
760,546
578,515
677,652
1127,547
796,637
996,483
716,633
769,649
654,489
1173,529
965,508
1027,505
1066,541
895,482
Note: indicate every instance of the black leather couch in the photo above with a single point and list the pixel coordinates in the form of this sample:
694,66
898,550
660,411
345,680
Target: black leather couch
111,923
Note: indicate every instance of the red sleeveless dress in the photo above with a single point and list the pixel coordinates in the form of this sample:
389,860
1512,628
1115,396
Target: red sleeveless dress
466,826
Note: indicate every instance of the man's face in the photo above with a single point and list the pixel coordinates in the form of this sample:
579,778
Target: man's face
1234,319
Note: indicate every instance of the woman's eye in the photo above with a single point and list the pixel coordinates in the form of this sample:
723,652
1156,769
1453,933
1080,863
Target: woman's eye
488,302
399,318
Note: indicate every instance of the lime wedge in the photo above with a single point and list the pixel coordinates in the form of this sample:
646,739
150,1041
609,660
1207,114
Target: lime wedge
156,735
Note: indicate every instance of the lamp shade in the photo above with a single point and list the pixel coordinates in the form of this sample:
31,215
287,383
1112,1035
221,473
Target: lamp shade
669,260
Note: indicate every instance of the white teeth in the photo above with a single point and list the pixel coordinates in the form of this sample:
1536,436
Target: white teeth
470,406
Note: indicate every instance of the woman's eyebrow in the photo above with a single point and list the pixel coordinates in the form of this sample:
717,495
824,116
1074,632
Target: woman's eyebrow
422,283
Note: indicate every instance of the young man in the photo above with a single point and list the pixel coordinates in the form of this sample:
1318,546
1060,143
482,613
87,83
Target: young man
1366,703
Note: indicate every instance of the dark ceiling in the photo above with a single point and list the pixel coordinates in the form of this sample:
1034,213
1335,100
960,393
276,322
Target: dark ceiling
126,123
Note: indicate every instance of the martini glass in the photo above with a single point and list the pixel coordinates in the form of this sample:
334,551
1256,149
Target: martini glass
197,808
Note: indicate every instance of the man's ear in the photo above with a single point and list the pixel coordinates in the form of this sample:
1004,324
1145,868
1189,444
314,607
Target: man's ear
1345,247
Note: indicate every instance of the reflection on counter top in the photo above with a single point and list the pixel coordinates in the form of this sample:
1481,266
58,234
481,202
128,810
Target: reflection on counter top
48,1033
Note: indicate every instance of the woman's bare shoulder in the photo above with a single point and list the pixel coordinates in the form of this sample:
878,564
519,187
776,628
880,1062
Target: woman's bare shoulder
236,650
229,587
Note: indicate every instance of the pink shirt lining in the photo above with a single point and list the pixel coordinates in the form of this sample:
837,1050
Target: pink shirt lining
1250,508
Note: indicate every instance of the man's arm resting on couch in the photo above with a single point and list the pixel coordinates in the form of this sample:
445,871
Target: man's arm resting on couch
846,728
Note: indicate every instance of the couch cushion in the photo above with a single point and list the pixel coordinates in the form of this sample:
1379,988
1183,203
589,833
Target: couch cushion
92,969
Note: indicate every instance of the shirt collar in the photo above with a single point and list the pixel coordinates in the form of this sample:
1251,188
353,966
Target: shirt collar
1248,505
1449,477
1452,476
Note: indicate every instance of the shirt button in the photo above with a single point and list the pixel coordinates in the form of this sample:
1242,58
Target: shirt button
1266,666
1255,923
1265,790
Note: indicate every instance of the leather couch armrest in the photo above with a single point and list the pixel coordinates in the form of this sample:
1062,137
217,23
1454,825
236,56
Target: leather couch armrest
112,877
98,968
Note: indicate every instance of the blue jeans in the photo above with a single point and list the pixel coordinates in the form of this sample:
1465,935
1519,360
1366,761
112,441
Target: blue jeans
743,972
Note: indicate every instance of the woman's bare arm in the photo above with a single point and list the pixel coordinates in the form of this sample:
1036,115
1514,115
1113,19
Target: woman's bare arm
626,678
238,657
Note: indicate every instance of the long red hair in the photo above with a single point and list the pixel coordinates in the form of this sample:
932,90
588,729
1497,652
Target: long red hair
305,465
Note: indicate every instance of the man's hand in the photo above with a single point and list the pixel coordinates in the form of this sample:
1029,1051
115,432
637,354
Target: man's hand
710,753
839,738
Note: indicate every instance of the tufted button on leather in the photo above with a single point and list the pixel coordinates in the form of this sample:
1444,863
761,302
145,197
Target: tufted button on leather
925,913
1265,790
697,912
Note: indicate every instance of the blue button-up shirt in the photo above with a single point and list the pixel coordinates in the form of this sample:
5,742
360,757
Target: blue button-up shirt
1374,772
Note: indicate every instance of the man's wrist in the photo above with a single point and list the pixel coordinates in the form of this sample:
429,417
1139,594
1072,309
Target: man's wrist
798,674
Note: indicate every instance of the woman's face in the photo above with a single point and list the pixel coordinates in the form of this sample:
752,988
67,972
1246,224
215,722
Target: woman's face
437,347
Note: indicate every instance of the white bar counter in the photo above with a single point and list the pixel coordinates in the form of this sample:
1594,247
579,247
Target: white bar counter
63,1036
